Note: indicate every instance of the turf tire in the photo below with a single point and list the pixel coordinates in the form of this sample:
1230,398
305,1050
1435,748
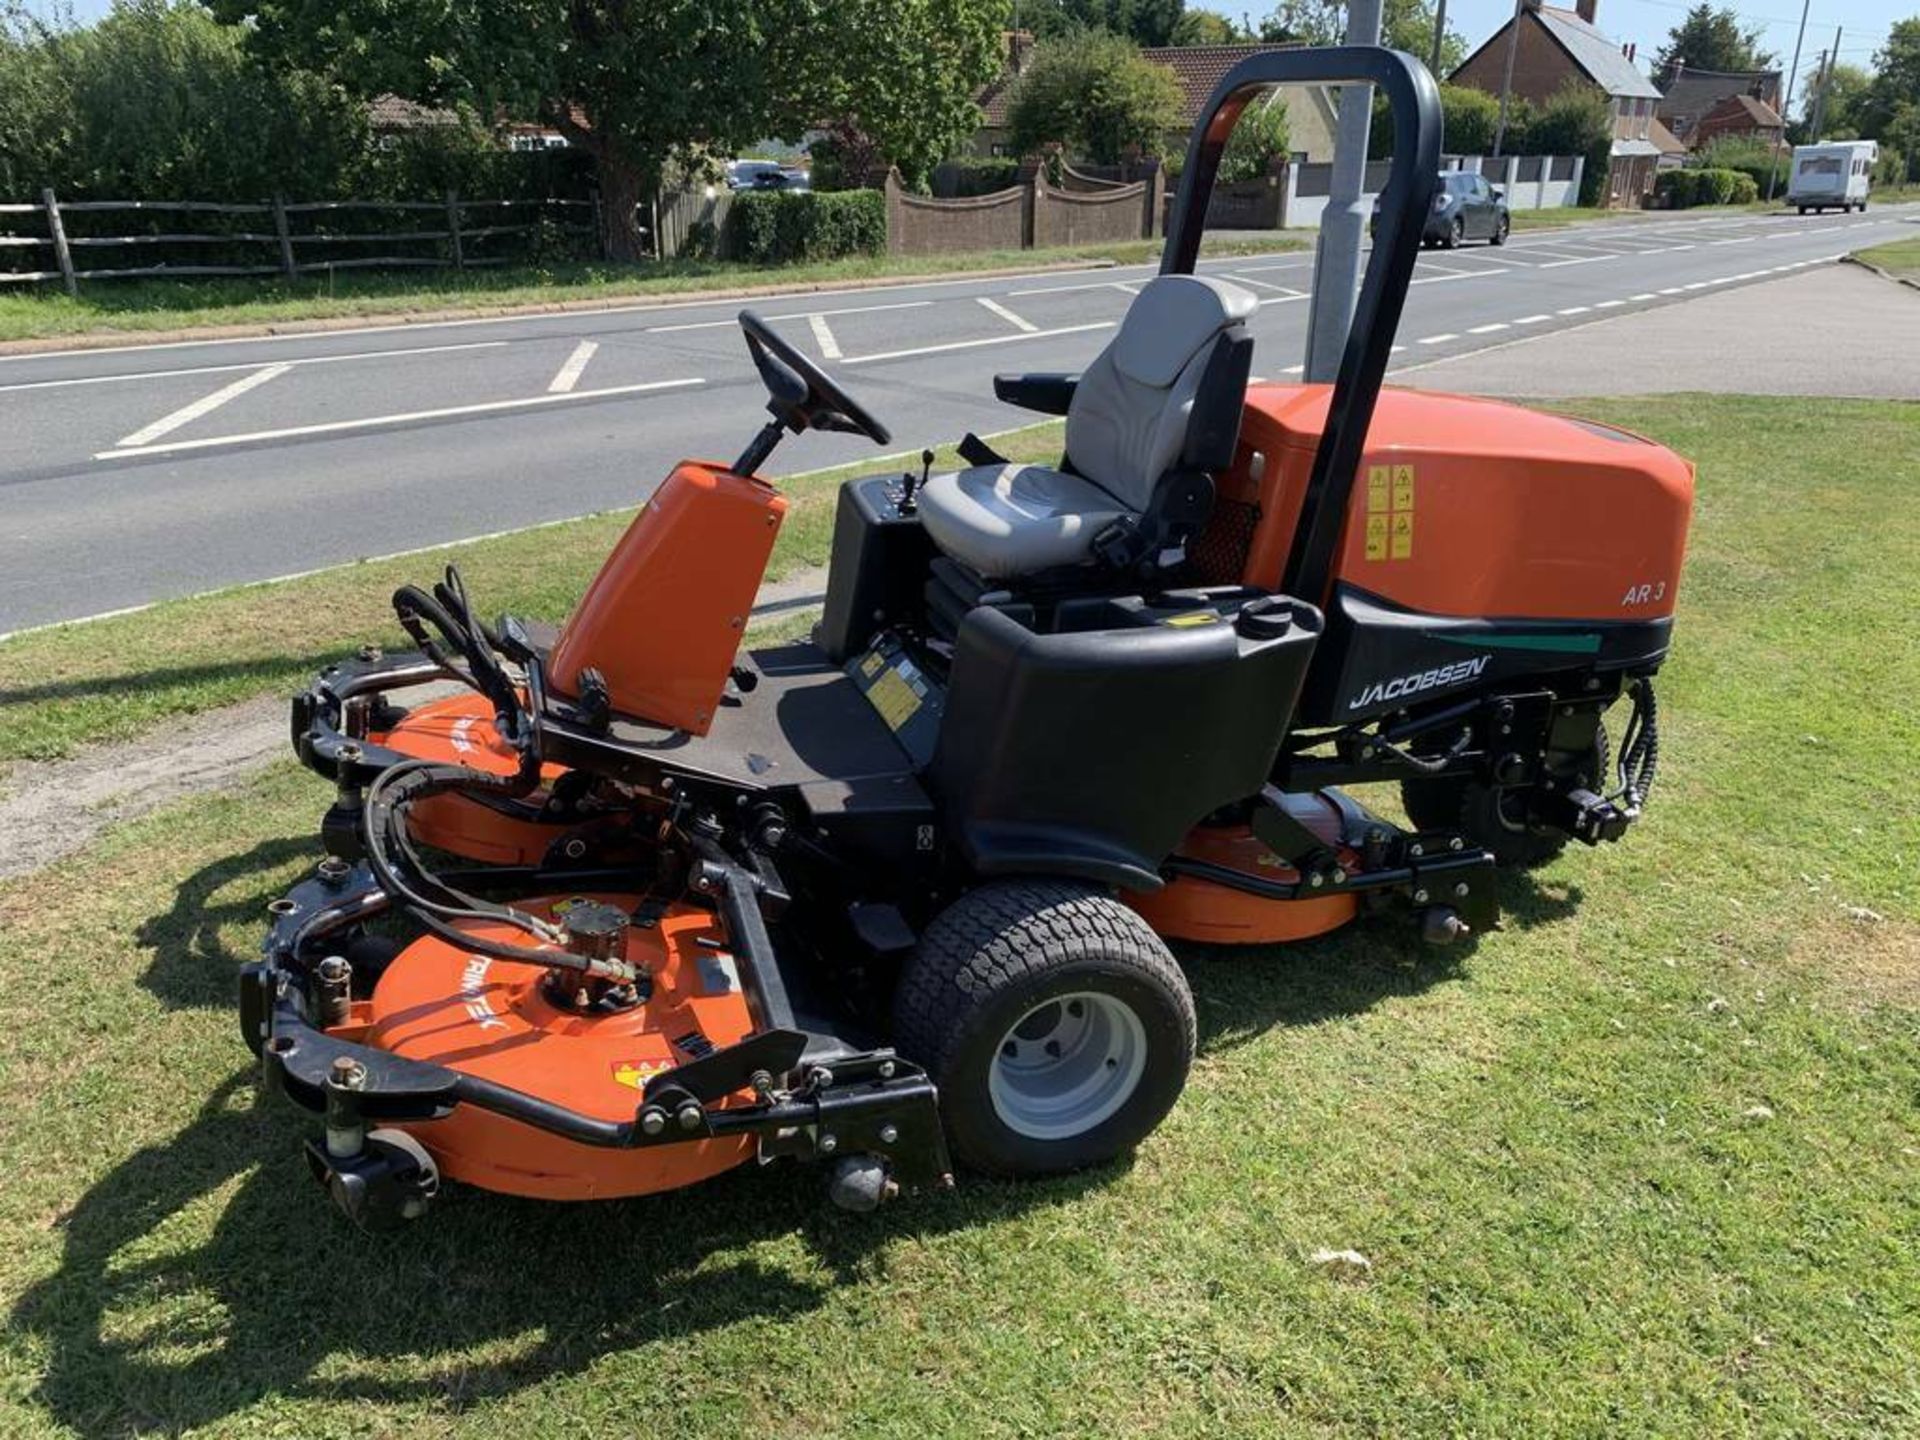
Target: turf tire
994,955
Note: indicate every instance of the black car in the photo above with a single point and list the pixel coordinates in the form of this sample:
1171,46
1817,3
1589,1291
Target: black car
1465,207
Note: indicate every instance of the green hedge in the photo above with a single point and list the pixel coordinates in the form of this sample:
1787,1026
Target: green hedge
778,226
968,175
1682,189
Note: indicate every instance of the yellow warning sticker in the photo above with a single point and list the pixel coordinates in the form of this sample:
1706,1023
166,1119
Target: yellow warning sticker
1403,487
894,698
635,1073
870,666
1376,537
1379,488
1191,618
1402,535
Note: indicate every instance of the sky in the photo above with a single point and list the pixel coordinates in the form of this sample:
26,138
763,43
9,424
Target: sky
1644,22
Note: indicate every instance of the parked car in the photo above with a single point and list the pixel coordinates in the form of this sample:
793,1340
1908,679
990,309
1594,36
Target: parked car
1465,207
1837,174
766,175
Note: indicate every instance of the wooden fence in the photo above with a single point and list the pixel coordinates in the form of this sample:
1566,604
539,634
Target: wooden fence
452,239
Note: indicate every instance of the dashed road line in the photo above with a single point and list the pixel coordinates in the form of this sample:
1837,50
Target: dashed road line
1436,339
994,307
1643,296
1287,290
1540,319
972,344
205,405
575,366
1607,304
1488,328
373,422
244,365
788,315
823,336
1574,310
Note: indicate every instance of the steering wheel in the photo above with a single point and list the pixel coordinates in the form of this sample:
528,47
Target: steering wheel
802,397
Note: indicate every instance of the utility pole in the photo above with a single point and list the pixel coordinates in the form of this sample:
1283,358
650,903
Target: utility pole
1336,274
1439,37
1506,79
1826,84
1786,106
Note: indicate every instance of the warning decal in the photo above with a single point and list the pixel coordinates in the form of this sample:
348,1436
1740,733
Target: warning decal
1389,534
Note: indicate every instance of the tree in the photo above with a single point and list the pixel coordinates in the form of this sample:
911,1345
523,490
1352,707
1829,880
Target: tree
1208,27
1258,138
1404,24
1145,22
1895,85
1091,92
1846,88
1575,120
160,102
1712,39
639,86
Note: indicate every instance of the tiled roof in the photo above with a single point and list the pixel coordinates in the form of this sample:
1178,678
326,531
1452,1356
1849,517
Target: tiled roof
1595,54
1762,115
393,112
1667,142
1692,93
1199,68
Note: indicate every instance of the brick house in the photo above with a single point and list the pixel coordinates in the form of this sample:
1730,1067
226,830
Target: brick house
1690,96
1740,115
1556,47
1198,68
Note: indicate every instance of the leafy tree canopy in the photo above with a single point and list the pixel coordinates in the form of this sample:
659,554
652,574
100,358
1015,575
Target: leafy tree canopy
1712,38
640,85
1092,93
1208,27
1404,24
1145,22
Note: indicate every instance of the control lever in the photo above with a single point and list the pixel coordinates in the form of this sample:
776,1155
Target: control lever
909,486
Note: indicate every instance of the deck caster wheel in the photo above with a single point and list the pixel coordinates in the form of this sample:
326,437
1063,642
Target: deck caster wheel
1055,1022
391,1182
861,1183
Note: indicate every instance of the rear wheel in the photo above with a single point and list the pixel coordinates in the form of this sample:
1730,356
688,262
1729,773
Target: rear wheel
1055,1022
1495,816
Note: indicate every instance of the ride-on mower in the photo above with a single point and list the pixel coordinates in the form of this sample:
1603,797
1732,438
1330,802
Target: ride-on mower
633,907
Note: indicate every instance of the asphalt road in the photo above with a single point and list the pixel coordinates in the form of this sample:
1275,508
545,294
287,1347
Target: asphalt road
137,474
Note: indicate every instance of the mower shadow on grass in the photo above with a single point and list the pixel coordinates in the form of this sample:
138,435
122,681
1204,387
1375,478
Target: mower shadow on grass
199,1279
162,1319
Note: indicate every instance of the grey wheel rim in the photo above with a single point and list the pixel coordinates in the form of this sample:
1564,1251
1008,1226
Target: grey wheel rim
1068,1065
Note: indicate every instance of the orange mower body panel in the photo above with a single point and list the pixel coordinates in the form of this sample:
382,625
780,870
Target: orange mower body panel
493,1018
460,730
662,620
1470,507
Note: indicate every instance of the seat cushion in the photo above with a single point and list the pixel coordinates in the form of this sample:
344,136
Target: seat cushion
1004,520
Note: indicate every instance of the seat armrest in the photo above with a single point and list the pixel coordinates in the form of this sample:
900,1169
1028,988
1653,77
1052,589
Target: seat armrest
1048,394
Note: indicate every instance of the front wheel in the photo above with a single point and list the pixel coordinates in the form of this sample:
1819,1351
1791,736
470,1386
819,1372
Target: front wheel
1456,232
1500,229
1055,1022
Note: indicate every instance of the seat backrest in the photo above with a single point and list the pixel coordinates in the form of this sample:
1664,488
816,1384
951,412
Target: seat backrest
1128,423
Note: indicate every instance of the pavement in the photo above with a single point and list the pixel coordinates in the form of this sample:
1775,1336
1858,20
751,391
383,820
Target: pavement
1836,330
135,474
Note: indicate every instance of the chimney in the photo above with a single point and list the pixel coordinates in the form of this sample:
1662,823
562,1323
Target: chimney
1585,8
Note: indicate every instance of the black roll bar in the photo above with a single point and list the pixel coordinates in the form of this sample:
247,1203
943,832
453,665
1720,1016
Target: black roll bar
1415,104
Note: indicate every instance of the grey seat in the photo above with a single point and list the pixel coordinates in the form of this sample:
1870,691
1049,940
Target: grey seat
1158,401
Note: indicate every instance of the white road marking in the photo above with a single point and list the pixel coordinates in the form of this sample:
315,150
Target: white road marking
205,405
1063,289
1294,370
1644,295
1488,328
335,427
570,372
987,340
1458,275
1436,339
1583,260
994,307
1574,310
1533,319
1607,304
1670,290
789,315
1126,287
823,336
1736,240
244,365
1286,290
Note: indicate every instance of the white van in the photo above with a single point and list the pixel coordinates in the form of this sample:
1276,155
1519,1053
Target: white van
1834,175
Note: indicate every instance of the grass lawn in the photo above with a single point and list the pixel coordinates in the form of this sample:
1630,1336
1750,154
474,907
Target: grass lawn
132,306
1901,258
1645,1162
